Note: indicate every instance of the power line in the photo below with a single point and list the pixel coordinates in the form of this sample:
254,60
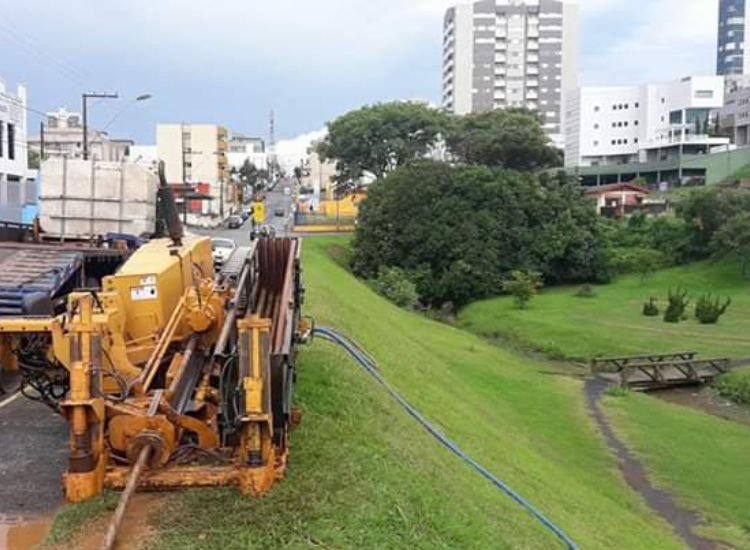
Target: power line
31,45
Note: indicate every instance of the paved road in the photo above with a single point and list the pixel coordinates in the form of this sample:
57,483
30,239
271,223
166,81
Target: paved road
33,456
275,200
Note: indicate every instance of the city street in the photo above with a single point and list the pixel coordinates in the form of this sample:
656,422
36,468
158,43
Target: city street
275,200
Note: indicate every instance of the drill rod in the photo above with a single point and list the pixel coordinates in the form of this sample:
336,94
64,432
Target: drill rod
135,474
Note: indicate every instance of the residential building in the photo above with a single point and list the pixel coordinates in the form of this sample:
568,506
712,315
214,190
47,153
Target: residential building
618,199
17,190
511,53
196,155
733,33
652,123
242,148
63,137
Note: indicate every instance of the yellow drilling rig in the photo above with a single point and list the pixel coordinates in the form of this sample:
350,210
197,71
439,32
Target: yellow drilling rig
172,376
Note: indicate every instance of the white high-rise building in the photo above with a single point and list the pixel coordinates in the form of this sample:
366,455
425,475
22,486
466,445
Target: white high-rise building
511,53
640,124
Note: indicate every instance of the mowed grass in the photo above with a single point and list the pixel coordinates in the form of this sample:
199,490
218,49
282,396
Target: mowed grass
568,326
700,458
364,475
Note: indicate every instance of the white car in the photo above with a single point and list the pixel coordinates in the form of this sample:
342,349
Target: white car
222,250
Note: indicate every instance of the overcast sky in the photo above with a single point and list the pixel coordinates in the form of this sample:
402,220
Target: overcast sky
231,61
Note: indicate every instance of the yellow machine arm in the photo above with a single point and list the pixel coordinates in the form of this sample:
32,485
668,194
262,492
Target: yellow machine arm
187,377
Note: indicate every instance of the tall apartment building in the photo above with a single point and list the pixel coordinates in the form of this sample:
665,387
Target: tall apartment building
652,123
196,155
511,53
734,30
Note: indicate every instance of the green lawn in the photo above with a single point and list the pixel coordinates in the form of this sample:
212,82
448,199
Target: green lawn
364,475
564,325
700,458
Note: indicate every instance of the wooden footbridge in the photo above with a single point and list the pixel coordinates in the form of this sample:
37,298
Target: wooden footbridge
660,371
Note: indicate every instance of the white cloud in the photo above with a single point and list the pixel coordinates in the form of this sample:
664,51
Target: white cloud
662,40
291,151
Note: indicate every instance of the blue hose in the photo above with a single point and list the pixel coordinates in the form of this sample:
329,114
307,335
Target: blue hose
371,368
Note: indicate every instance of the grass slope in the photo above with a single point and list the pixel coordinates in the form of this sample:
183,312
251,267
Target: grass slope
565,325
365,476
700,458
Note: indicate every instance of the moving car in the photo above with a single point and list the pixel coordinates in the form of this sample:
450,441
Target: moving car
222,249
279,213
234,222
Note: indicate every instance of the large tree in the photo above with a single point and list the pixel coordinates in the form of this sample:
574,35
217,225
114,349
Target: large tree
460,231
510,138
381,137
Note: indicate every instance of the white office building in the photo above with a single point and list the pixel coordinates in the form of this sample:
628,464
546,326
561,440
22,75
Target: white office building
243,148
511,53
17,189
639,124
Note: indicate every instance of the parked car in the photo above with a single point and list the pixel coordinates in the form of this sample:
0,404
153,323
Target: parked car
235,222
222,250
246,213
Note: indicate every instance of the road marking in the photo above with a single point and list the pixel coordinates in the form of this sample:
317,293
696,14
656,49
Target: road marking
10,399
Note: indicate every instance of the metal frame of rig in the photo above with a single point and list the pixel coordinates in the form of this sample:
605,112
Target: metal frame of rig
168,375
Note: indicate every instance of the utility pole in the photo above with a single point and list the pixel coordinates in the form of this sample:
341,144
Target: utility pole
272,147
85,99
41,143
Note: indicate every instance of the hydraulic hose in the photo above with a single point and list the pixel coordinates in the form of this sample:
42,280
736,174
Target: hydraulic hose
370,367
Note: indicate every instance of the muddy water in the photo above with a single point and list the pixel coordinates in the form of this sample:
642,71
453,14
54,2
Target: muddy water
23,533
706,399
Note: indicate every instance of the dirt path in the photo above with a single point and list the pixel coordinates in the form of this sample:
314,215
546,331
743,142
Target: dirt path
683,521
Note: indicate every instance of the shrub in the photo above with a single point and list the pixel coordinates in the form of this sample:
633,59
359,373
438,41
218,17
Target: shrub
395,285
618,391
523,286
650,308
586,291
708,310
678,303
735,386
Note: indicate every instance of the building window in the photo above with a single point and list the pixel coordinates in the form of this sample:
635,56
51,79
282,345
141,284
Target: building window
663,100
614,142
11,141
596,109
596,126
635,123
614,125
636,105
596,144
635,140
626,124
1,138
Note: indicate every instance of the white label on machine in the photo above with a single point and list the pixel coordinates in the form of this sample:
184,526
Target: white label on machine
142,293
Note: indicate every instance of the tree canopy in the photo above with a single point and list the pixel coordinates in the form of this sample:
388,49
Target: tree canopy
510,138
460,231
381,137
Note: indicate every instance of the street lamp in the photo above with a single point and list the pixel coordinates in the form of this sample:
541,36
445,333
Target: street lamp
142,97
